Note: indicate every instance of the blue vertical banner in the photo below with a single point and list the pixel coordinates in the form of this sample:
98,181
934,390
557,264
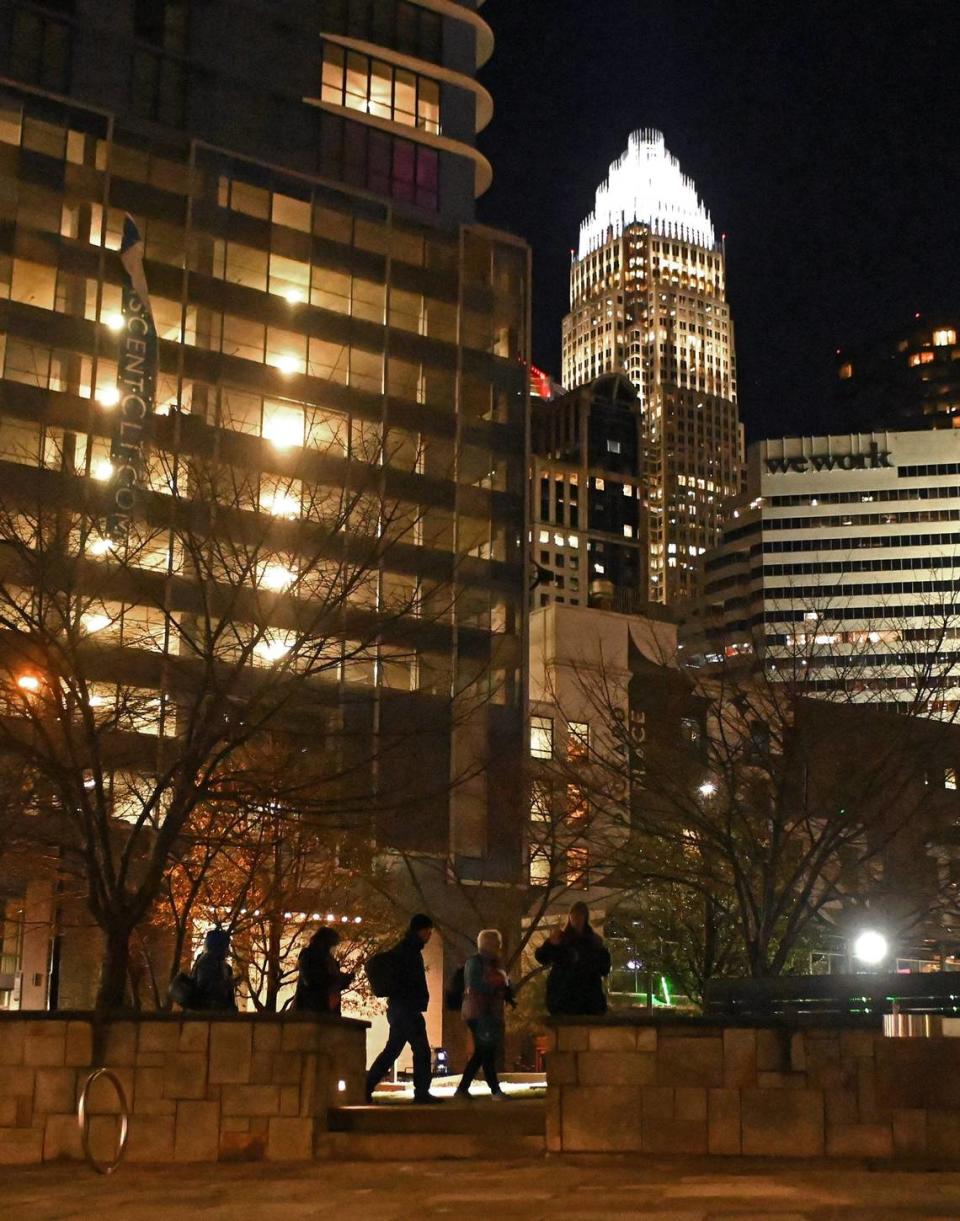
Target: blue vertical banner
136,381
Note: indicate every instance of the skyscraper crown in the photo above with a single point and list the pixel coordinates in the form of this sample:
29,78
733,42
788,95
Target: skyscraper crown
647,185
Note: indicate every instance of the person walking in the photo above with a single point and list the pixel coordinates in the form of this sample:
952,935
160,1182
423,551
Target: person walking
578,961
320,981
406,1004
486,991
213,982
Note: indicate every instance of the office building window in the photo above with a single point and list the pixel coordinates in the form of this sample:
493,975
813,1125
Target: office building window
541,737
158,88
40,50
379,162
391,23
375,87
578,740
945,337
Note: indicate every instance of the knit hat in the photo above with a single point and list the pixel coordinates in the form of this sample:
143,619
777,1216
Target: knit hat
217,941
420,922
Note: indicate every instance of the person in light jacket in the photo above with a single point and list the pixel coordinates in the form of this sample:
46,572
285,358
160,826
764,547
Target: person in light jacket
578,961
486,990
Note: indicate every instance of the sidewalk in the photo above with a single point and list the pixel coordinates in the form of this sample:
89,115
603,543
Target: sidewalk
471,1191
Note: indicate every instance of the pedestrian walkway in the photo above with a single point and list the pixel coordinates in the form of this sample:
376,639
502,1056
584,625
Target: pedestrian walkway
549,1190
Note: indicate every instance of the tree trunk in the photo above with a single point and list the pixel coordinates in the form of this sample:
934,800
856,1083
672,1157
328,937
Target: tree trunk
114,969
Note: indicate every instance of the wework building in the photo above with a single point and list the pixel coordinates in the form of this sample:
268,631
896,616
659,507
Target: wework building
839,566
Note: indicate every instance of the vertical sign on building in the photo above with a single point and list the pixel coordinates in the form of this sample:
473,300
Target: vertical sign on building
136,381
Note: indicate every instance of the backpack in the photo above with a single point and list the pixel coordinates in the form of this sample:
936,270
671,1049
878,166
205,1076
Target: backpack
183,990
453,996
382,973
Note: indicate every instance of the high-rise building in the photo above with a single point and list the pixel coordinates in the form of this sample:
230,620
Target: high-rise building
328,315
838,567
648,298
907,379
588,520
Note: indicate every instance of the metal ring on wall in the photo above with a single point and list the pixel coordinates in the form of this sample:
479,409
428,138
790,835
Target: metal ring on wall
103,1167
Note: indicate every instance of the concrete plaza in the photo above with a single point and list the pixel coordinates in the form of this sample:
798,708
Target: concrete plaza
581,1190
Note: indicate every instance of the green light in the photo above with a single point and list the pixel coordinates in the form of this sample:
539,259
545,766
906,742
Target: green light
666,990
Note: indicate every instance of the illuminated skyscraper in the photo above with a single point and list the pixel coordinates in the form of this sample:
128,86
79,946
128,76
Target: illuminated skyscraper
648,297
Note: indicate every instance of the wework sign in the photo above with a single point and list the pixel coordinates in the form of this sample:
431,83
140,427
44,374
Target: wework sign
136,381
874,459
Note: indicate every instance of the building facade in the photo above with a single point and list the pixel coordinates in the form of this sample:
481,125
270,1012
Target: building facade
588,520
840,563
648,298
329,316
910,379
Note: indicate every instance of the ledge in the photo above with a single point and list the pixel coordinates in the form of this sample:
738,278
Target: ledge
193,1015
801,1021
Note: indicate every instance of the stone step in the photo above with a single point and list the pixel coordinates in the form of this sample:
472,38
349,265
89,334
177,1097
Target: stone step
426,1146
482,1118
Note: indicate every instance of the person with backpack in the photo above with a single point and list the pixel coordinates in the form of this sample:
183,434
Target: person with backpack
320,981
213,982
407,1000
486,990
578,961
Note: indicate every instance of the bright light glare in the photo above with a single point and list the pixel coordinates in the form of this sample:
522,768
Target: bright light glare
871,947
284,429
277,577
28,682
707,789
102,470
341,1085
109,396
113,321
286,363
294,295
102,546
94,623
272,650
281,504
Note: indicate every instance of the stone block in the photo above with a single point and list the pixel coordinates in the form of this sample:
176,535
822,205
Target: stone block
185,1075
909,1133
61,1138
290,1140
103,1136
152,1138
646,1038
151,1059
21,1146
249,1146
665,1131
233,1123
300,1036
158,1036
562,1067
690,1061
611,1038
286,1069
197,1137
841,1106
266,1036
857,1044
261,1066
773,1051
690,1103
602,1119
289,1100
739,1058
231,1046
782,1123
78,1050
611,1068
8,1112
553,1128
45,1044
251,1100
147,1085
55,1090
11,1044
194,1035
860,1140
798,1052
102,1096
867,1091
17,1081
548,1040
121,1044
943,1135
723,1121
155,1106
573,1038
782,1081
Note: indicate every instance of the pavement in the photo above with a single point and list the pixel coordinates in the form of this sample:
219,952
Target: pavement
581,1190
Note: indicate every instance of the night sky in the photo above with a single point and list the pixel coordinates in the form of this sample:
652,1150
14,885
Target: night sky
823,137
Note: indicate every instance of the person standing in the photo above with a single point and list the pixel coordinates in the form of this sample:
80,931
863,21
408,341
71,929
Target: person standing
486,989
321,982
213,982
407,1002
578,961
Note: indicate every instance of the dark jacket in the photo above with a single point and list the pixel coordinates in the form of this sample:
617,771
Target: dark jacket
410,991
577,967
321,981
214,982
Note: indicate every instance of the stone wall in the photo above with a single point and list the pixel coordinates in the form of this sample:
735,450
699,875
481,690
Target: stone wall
691,1087
243,1087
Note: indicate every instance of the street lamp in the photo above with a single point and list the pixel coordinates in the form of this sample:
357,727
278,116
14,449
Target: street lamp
871,947
707,789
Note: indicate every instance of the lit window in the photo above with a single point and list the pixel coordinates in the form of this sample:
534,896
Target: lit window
950,778
919,358
539,867
613,447
599,484
578,740
945,337
540,803
845,372
544,536
578,864
541,737
628,531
